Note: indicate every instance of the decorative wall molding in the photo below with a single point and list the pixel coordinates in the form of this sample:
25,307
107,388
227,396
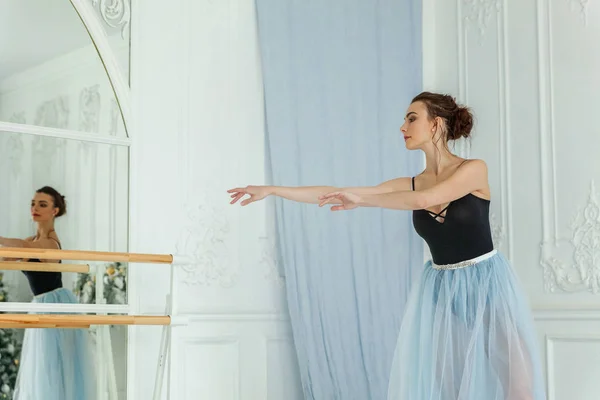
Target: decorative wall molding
88,86
203,239
89,109
116,14
15,151
76,110
270,260
583,274
498,233
546,125
15,148
114,118
505,130
552,339
53,113
18,118
461,41
478,13
581,6
224,348
566,314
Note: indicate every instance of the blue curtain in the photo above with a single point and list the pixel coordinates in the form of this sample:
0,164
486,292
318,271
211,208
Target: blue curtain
338,77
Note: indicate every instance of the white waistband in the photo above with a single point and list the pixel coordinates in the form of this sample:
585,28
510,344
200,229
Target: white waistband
466,263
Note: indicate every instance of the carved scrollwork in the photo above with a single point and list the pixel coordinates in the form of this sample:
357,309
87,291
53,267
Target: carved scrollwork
479,13
583,272
115,13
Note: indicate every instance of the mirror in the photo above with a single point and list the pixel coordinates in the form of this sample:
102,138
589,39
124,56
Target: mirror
50,72
51,76
93,177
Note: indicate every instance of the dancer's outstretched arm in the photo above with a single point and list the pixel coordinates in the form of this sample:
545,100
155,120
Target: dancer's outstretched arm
311,194
471,177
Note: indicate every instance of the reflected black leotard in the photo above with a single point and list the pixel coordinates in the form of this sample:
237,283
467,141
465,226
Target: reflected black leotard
41,281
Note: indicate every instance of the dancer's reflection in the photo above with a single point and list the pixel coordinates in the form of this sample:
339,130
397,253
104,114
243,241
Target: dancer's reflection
55,363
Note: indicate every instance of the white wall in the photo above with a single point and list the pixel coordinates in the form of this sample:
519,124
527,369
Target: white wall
198,112
529,70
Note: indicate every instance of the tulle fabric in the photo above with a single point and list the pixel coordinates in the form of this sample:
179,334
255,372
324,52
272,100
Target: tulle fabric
56,364
467,334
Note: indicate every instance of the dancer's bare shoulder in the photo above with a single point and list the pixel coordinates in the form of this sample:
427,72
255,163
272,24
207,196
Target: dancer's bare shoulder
478,170
473,171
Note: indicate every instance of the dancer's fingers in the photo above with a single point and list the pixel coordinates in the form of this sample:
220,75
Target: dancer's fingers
236,198
329,195
247,201
323,202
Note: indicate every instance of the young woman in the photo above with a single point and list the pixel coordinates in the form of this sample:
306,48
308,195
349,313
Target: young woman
55,363
467,332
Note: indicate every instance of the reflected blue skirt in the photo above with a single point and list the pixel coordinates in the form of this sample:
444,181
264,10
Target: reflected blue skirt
56,364
467,334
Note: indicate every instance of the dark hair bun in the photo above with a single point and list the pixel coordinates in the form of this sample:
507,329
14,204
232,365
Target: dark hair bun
458,119
57,198
463,123
62,206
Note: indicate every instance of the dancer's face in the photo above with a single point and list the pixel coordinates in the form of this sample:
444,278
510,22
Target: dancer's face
418,128
42,208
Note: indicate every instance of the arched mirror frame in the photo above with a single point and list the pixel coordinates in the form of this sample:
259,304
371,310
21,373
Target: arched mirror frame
91,20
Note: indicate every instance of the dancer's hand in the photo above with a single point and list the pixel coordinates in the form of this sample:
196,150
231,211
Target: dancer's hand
349,200
256,193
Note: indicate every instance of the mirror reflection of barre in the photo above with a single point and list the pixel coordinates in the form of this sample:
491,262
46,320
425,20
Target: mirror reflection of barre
53,318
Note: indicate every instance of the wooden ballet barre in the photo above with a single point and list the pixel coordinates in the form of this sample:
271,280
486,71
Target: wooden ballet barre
71,320
56,254
84,321
42,326
46,267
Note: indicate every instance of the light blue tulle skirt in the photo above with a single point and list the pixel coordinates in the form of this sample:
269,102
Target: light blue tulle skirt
467,334
56,364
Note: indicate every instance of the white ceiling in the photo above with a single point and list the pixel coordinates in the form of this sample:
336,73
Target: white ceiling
33,31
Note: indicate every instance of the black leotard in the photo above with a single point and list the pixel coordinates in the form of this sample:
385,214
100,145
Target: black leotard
41,281
463,232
